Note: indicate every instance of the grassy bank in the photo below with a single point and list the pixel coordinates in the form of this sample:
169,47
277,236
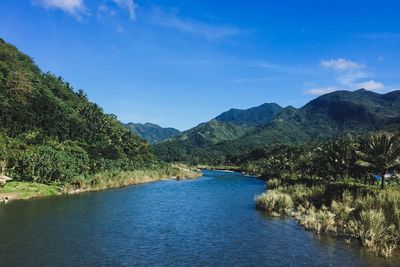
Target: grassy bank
219,167
363,213
26,190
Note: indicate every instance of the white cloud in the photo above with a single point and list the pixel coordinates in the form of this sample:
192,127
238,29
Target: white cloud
322,90
129,5
72,7
172,20
350,78
341,64
371,85
353,76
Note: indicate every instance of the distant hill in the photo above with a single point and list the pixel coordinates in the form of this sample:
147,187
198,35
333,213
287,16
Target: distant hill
328,116
230,125
195,144
253,116
152,133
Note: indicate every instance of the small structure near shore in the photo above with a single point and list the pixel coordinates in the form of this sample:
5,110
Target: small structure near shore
4,179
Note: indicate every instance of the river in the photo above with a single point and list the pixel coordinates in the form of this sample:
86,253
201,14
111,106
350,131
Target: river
210,221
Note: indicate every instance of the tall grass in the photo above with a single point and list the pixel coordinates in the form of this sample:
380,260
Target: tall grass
275,203
273,183
369,215
113,179
104,180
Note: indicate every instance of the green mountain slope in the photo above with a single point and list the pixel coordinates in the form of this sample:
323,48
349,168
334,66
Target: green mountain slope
152,133
253,116
328,116
198,144
50,132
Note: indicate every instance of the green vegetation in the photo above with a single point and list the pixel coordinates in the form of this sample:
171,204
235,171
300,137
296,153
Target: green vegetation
276,203
223,140
51,134
329,187
113,179
212,142
26,190
380,155
99,181
252,116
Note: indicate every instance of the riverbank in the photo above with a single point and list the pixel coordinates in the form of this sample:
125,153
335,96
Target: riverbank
219,168
26,190
358,212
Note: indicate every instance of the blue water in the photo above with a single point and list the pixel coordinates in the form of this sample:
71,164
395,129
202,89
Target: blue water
210,221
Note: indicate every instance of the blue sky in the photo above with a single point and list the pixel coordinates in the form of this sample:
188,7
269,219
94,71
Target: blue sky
178,62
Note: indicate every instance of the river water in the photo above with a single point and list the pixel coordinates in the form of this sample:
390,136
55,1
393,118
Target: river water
210,221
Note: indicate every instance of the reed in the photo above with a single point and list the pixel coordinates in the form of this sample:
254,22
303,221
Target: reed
275,203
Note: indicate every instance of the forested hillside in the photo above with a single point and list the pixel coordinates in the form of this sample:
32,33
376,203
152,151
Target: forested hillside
51,132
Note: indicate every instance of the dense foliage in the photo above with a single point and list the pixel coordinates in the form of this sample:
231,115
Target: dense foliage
337,160
332,186
50,132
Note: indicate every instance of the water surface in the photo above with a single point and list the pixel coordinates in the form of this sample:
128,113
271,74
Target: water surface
210,221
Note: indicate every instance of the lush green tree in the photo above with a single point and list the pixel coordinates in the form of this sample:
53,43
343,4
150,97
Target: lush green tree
51,133
380,154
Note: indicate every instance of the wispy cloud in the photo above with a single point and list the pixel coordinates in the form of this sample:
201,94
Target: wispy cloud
172,20
341,64
371,85
348,79
75,8
322,90
351,76
128,5
111,8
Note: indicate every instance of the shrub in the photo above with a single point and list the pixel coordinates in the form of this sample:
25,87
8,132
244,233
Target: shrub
274,183
375,233
46,164
319,220
342,212
274,202
389,201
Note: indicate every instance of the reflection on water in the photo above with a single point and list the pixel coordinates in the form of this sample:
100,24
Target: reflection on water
209,221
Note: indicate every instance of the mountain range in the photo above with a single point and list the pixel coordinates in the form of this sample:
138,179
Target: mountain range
328,116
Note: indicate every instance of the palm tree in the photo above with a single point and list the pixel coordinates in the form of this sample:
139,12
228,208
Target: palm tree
380,154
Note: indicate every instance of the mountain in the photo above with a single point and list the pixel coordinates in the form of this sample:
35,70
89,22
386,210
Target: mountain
49,132
328,116
196,144
152,133
230,125
253,116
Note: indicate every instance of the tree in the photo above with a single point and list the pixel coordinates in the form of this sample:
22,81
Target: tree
380,154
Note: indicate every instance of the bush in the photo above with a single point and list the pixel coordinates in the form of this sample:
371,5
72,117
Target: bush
273,183
321,220
375,233
46,164
274,202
